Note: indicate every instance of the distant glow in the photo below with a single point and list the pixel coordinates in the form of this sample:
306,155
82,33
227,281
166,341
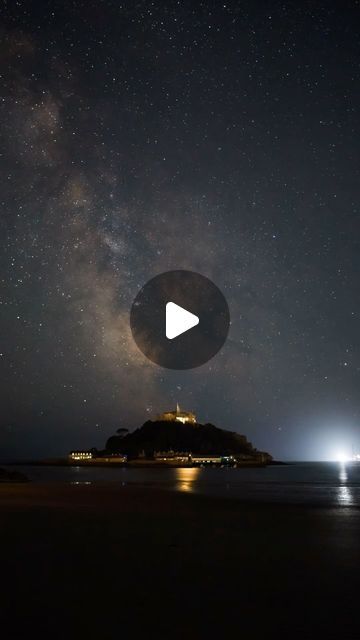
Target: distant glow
341,456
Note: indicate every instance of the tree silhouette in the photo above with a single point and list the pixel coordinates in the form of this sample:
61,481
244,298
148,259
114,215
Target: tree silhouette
122,432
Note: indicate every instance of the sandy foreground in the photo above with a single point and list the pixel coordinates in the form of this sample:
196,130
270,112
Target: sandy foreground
126,562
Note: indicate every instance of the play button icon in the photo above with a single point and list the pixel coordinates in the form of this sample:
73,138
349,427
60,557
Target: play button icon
179,319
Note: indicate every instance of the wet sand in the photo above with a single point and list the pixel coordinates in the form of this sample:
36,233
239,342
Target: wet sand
105,562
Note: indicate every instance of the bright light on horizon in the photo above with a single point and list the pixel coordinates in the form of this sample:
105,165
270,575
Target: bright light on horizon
341,456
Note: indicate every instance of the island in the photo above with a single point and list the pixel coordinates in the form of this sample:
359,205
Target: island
174,438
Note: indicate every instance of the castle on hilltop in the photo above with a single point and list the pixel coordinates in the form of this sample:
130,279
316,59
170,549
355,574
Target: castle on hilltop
177,416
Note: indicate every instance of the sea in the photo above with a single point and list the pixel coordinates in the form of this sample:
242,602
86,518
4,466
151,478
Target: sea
317,483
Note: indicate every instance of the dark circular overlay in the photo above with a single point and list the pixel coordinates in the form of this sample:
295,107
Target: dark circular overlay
196,294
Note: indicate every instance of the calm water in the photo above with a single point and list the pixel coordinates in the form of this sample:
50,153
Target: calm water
328,483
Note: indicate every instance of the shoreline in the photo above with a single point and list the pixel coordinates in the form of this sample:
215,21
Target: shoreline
135,464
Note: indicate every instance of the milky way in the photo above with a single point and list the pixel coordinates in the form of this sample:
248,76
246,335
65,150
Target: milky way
144,137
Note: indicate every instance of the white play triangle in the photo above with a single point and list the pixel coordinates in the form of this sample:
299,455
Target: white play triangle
178,320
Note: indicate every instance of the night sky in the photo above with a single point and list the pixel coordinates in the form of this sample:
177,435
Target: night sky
141,137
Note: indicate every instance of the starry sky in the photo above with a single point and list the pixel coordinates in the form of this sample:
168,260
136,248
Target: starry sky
140,137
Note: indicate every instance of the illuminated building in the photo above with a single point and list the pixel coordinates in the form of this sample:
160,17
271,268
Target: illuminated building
111,458
177,416
92,456
178,457
208,459
172,456
80,455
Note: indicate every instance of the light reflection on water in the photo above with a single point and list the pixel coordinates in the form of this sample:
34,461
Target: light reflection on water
332,483
343,476
185,478
345,496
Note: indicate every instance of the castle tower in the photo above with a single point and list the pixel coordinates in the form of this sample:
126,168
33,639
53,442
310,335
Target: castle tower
177,416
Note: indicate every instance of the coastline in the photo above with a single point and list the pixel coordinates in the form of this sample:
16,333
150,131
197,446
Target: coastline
193,565
132,464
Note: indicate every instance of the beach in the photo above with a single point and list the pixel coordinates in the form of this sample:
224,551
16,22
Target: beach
110,561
